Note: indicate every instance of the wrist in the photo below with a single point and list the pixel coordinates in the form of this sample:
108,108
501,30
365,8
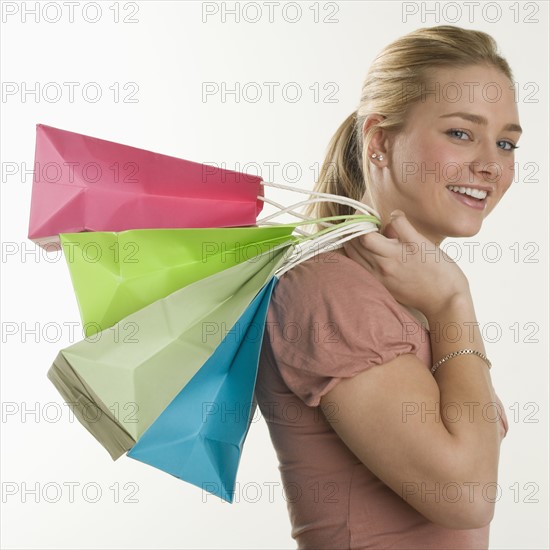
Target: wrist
454,304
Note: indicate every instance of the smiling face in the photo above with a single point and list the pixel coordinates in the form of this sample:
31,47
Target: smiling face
463,135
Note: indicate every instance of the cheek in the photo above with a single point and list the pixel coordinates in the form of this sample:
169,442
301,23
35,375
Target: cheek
503,176
508,175
417,160
433,160
453,162
441,163
434,155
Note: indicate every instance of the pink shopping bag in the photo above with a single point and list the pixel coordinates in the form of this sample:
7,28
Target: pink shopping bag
82,183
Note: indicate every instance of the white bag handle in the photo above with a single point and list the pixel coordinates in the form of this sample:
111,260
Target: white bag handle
321,197
305,250
333,236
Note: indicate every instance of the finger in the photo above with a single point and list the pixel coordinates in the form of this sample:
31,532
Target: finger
401,228
390,232
379,245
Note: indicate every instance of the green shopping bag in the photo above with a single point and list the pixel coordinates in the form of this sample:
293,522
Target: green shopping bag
116,274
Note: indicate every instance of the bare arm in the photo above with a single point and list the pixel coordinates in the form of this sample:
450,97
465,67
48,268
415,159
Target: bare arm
401,422
433,439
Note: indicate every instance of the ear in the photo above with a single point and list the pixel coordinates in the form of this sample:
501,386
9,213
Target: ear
379,142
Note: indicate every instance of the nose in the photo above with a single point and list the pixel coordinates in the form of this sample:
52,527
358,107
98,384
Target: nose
487,164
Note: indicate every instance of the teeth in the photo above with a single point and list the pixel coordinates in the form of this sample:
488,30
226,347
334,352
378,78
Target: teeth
476,193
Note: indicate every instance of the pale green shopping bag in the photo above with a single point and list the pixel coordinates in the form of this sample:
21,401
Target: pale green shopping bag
142,373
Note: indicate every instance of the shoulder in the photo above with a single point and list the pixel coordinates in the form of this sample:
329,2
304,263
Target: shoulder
333,280
329,318
332,264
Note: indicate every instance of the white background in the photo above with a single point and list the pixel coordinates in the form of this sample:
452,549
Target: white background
169,51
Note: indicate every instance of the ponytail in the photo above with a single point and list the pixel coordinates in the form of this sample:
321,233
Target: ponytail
341,172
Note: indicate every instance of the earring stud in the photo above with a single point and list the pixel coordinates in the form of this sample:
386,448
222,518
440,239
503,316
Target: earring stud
374,155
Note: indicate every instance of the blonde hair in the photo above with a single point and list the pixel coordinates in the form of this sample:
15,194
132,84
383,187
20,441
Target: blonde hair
404,65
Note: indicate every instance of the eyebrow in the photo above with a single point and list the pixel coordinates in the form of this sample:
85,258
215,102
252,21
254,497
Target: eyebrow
478,119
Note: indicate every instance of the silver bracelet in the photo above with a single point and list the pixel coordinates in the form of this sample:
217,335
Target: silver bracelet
460,352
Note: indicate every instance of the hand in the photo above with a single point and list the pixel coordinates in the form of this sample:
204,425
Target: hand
412,268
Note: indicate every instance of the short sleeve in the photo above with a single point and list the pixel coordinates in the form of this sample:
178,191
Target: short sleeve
330,319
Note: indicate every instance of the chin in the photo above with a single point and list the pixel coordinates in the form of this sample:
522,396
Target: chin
463,231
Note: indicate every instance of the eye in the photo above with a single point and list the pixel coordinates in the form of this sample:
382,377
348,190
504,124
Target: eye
455,132
508,145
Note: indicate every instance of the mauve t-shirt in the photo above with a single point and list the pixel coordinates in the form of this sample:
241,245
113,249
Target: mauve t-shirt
330,319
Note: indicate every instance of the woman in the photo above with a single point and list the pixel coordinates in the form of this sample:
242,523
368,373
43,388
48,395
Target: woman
385,437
